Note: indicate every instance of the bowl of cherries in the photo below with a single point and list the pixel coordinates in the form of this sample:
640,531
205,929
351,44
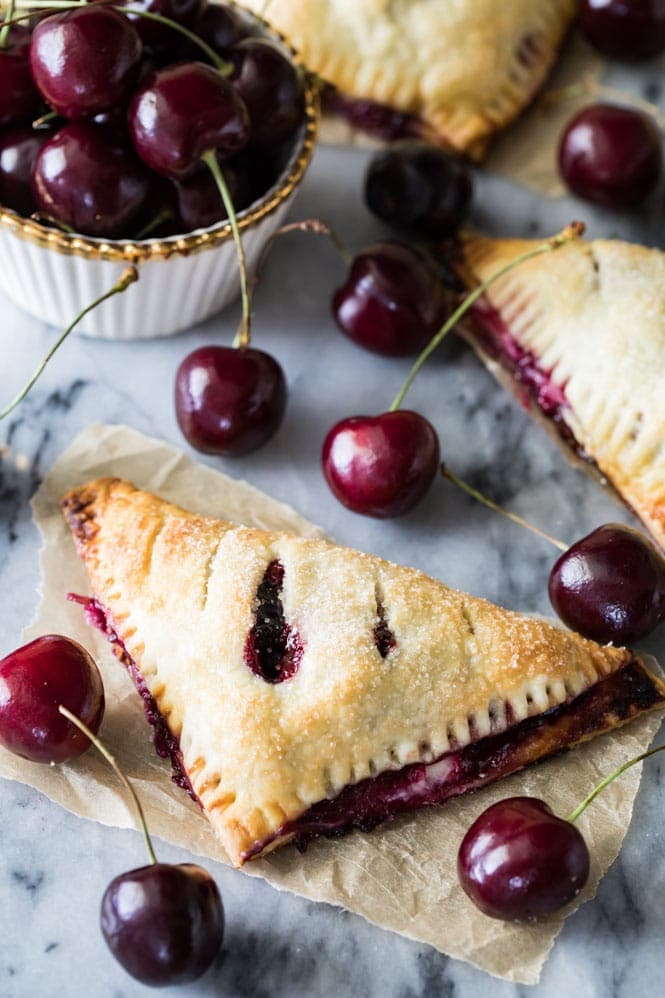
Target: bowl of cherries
143,134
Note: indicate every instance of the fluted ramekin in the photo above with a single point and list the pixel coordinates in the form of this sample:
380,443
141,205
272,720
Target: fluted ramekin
182,279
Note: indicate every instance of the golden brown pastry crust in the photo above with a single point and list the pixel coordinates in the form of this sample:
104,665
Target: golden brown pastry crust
464,67
180,592
593,314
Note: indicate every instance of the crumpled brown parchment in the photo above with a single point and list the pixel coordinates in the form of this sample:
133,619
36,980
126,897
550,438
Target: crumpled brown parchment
401,877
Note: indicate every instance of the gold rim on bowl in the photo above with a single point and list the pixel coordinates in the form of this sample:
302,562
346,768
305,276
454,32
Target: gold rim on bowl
127,251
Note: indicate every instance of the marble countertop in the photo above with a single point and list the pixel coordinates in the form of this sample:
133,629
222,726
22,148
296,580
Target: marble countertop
54,867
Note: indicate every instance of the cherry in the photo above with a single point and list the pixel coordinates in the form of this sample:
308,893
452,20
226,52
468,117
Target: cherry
85,62
220,27
87,178
611,155
610,585
271,87
19,147
229,400
381,465
198,203
162,39
624,29
520,862
163,923
420,188
34,680
392,301
182,112
19,97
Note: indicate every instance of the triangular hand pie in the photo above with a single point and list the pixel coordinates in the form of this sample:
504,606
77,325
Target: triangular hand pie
303,688
456,70
579,337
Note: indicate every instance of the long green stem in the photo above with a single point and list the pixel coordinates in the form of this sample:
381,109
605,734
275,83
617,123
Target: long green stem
129,277
574,815
99,745
486,501
572,231
4,31
244,333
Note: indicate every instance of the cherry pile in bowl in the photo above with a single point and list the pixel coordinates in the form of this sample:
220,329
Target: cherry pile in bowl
125,105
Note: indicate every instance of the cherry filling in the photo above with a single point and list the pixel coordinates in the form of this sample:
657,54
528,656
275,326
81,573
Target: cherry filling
384,638
379,120
166,744
363,805
273,650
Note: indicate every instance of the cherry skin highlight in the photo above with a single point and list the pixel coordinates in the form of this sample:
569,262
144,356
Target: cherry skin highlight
34,681
85,62
19,148
229,400
19,97
86,177
419,188
624,30
611,155
182,112
391,302
610,585
520,862
381,466
164,923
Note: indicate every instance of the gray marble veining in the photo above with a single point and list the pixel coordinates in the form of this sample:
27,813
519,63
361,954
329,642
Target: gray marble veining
53,866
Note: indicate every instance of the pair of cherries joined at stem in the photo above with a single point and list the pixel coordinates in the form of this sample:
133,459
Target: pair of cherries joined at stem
163,922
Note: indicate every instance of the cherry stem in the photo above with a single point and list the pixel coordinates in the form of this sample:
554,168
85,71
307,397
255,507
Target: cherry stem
243,335
486,501
165,215
129,276
307,225
4,31
99,745
45,119
572,231
574,815
44,218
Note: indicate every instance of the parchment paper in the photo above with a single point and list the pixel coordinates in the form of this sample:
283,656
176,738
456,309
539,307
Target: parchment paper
401,877
526,152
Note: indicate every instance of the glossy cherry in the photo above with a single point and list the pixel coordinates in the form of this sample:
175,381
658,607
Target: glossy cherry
198,204
87,178
162,39
392,301
611,155
420,188
610,585
34,681
229,400
183,111
624,29
85,62
164,923
520,862
220,27
271,87
19,147
19,97
383,465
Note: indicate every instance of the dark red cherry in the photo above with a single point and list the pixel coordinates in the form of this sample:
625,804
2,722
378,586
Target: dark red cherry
19,97
163,923
19,147
35,680
611,155
182,112
229,401
198,203
624,29
392,301
381,465
86,61
519,861
271,87
420,188
610,585
162,39
88,178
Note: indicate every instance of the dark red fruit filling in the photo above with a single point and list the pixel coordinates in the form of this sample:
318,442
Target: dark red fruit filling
273,650
366,804
166,744
384,638
378,120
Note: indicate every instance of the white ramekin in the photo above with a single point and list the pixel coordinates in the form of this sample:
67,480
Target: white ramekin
182,280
